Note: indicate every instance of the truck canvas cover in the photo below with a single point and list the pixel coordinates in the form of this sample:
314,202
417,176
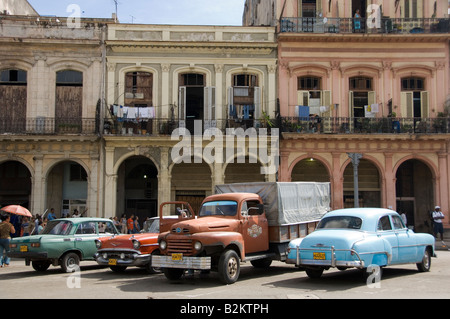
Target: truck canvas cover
287,203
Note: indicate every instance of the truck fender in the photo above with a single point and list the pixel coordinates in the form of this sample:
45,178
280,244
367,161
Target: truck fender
222,239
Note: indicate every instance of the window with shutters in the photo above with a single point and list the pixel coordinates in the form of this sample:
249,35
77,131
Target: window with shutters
69,101
414,98
13,101
244,98
139,89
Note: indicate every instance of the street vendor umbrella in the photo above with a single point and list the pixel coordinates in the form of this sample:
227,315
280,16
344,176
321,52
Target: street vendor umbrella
17,210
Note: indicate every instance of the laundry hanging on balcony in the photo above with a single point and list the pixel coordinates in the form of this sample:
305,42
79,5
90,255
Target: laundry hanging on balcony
241,112
131,113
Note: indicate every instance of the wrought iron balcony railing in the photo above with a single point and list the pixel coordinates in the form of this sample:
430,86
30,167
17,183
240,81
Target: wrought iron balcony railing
352,25
164,127
345,125
48,126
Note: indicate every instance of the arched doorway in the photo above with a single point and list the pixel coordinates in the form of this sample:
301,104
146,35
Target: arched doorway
310,170
137,188
15,188
415,194
67,189
369,185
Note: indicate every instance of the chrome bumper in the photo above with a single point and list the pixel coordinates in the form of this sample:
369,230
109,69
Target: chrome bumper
131,259
199,263
333,262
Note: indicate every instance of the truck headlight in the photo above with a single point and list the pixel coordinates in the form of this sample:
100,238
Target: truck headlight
163,245
136,244
198,246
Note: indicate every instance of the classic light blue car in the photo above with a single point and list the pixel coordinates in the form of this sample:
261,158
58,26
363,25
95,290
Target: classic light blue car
364,238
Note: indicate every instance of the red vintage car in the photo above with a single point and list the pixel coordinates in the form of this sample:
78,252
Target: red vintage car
130,250
135,250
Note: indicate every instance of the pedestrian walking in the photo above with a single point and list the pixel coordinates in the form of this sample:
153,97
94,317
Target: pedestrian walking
6,229
123,224
130,224
438,227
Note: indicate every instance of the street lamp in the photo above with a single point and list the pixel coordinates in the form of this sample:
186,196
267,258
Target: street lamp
355,157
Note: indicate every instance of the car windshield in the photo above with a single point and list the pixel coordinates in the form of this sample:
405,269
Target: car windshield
58,227
340,222
220,208
151,226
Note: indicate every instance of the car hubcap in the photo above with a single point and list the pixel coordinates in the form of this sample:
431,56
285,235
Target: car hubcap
426,260
232,267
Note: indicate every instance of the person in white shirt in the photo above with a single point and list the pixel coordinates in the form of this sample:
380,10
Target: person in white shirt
438,227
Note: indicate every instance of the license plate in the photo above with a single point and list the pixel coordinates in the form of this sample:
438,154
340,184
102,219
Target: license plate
319,256
23,249
112,262
177,257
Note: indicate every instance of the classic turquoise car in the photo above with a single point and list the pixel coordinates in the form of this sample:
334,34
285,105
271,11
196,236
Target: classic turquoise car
364,238
63,242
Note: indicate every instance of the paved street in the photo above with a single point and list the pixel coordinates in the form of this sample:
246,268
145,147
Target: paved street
281,281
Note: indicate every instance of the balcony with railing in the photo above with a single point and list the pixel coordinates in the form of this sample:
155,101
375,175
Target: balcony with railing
49,126
360,25
165,127
346,125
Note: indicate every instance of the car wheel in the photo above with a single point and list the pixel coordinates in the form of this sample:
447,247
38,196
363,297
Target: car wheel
173,273
40,265
425,264
314,272
70,262
153,270
229,267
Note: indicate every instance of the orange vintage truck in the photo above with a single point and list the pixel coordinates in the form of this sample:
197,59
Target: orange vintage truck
242,222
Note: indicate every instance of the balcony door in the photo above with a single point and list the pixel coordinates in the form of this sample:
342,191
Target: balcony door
414,98
68,101
196,102
361,95
360,5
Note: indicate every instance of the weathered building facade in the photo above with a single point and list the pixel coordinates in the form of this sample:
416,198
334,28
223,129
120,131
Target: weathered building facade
163,78
50,88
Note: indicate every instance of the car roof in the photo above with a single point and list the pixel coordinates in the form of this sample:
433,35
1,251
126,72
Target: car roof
370,216
77,220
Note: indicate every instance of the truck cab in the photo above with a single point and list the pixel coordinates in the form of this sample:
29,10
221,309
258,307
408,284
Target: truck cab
228,228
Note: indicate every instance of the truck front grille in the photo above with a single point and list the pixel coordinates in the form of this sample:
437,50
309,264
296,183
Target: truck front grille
180,245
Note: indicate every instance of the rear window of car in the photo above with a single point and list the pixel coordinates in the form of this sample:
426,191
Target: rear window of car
340,222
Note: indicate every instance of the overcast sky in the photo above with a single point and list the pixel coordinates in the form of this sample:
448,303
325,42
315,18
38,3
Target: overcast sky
189,12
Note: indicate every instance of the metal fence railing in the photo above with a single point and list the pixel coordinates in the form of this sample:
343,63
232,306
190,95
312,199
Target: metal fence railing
352,25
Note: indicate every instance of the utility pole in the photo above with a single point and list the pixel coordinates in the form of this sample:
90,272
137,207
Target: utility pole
355,157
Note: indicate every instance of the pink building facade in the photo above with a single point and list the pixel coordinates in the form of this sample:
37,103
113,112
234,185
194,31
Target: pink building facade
376,84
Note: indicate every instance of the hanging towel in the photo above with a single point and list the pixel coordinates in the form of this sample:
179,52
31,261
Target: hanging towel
232,111
246,109
131,114
120,113
303,113
143,112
